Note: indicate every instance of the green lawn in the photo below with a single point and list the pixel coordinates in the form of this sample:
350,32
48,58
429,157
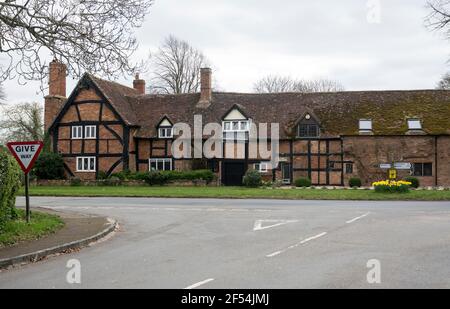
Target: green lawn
237,192
41,224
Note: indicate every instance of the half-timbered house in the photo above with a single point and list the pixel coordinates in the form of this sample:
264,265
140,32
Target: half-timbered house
107,127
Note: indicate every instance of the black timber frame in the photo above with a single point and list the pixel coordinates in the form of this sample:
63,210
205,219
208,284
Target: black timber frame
87,83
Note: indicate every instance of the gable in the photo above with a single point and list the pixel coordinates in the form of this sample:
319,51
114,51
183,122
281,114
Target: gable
84,104
165,123
235,114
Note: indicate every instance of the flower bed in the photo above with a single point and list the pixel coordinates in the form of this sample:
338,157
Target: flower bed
392,186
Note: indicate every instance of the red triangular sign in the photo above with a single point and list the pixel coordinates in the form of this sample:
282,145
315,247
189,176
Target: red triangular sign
25,153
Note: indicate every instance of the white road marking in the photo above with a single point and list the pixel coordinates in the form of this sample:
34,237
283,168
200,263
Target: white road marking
274,254
304,241
313,237
258,226
357,218
196,285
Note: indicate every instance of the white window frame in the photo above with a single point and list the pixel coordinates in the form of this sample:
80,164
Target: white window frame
76,129
91,129
164,160
229,124
414,124
243,127
86,169
365,125
162,132
261,167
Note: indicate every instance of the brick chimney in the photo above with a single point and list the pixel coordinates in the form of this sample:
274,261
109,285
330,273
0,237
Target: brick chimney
57,92
205,88
139,84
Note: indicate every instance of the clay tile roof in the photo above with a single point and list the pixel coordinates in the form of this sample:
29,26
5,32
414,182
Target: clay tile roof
119,97
338,112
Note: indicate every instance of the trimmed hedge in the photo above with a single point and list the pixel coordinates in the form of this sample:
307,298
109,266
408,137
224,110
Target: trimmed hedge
303,182
9,185
415,183
354,182
163,177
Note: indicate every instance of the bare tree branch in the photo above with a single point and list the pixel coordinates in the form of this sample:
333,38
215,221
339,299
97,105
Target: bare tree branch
2,94
22,122
176,67
87,35
274,84
444,83
439,16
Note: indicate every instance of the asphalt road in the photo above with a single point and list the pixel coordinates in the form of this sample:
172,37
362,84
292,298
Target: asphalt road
206,243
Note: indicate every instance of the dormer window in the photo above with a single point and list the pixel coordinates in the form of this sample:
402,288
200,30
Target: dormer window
235,125
308,127
365,125
165,132
414,124
165,129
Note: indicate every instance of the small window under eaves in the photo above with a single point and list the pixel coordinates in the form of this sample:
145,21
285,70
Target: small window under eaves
414,124
308,127
365,125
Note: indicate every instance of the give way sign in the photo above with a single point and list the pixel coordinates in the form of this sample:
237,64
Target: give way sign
25,153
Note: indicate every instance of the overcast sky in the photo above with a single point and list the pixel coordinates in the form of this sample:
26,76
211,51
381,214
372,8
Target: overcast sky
342,40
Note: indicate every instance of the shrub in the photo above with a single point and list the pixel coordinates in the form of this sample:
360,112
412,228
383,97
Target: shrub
354,182
49,166
156,178
75,182
138,176
9,185
102,175
392,186
252,179
303,182
415,183
123,175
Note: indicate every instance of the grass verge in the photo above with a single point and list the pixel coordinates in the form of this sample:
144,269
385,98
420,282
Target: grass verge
41,225
237,192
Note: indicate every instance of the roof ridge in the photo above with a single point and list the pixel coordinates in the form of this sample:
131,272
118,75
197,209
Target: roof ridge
110,81
331,92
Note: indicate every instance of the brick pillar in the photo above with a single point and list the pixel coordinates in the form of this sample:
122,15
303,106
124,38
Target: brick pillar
139,84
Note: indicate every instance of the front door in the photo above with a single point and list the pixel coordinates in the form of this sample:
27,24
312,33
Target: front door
286,172
232,173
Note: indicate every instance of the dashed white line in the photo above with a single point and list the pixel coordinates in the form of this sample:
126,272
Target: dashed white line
357,218
274,254
296,245
196,285
312,238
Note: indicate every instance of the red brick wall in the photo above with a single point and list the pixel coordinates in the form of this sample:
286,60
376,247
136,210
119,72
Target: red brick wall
368,152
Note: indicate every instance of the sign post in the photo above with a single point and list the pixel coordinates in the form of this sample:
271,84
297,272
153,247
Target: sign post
26,154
